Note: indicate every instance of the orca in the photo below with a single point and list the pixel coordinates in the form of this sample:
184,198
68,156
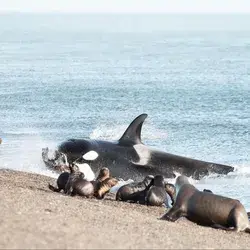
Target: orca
130,158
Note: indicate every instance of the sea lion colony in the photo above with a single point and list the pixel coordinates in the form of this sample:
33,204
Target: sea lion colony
181,199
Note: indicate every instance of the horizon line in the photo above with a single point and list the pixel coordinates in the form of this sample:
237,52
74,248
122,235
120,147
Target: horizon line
118,12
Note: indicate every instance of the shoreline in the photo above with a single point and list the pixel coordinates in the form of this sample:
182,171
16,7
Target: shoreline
32,216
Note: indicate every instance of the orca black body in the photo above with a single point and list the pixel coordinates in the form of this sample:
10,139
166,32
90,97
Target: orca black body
130,158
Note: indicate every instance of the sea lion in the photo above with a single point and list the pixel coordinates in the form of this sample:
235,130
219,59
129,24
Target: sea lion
1,140
132,191
158,192
156,195
103,174
77,185
61,182
207,209
104,186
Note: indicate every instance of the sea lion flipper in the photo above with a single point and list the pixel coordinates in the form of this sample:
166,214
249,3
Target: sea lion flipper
173,214
132,135
54,189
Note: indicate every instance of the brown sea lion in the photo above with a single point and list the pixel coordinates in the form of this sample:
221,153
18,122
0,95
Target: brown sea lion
207,209
134,191
104,186
61,182
77,185
103,174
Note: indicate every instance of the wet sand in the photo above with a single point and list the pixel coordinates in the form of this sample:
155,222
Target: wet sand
32,216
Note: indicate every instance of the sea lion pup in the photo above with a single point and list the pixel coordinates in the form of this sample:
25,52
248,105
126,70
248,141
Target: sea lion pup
157,193
61,182
77,185
104,187
103,174
207,209
132,191
103,183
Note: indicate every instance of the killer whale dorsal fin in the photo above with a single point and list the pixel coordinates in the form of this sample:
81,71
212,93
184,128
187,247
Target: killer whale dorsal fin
132,135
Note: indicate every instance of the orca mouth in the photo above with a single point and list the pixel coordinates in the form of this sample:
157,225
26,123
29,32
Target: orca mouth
55,160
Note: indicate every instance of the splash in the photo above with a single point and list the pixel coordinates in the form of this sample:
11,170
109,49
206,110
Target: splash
24,154
114,132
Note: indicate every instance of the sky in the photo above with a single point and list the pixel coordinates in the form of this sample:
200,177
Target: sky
127,6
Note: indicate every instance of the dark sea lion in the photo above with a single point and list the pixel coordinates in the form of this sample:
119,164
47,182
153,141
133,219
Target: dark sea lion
104,187
156,195
77,185
132,190
1,140
61,182
207,209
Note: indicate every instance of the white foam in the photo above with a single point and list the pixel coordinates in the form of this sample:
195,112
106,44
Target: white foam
114,132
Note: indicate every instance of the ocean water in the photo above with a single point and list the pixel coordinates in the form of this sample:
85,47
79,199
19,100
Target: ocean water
88,76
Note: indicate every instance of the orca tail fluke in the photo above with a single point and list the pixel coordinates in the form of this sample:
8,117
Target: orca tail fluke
132,135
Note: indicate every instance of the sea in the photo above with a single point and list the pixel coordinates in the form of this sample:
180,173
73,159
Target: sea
76,75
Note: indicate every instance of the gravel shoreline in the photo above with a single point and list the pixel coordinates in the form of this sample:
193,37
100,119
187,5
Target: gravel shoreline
32,216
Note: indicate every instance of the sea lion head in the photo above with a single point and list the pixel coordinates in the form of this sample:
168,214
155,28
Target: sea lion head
180,181
159,181
74,169
103,174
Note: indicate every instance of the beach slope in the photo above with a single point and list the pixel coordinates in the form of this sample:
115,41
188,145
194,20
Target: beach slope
32,216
